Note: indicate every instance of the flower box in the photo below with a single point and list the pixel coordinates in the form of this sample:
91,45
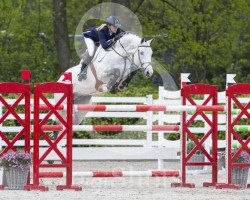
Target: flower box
196,158
2,177
16,167
240,176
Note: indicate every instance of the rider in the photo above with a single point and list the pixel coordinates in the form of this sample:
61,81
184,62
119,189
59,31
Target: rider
104,35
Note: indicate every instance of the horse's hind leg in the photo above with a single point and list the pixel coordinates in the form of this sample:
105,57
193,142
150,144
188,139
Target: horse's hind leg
54,137
55,133
79,115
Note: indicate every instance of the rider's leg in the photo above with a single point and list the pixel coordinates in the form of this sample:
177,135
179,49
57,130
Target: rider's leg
90,46
87,57
85,62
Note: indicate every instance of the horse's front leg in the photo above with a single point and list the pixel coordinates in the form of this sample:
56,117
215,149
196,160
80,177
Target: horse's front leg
115,74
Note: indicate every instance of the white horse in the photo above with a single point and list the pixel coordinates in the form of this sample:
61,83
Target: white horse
109,68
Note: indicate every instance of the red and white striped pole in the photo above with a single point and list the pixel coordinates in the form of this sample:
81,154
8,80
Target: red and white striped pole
114,128
149,173
139,108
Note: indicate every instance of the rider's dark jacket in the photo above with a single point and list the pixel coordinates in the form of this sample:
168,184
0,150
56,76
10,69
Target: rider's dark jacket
102,36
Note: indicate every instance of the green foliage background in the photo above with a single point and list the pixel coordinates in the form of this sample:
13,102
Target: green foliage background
208,38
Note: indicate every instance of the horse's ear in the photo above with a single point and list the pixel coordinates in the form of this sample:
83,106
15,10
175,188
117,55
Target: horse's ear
150,41
143,40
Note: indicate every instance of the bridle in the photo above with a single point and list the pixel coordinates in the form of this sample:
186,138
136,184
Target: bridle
141,64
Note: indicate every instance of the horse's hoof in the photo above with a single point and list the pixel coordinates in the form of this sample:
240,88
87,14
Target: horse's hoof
103,89
50,161
121,88
113,90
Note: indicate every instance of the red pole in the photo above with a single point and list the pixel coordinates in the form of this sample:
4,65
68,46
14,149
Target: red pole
215,140
184,140
229,139
69,136
27,124
36,138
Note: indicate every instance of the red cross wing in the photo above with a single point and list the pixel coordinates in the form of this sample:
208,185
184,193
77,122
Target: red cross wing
210,92
233,101
53,110
23,91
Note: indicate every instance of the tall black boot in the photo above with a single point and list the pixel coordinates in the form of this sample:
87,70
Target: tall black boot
83,74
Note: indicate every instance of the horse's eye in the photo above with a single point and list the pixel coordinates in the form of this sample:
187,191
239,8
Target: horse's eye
141,52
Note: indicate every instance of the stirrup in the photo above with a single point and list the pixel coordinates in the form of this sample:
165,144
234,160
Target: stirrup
82,75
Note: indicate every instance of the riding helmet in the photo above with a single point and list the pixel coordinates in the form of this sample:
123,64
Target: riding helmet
113,20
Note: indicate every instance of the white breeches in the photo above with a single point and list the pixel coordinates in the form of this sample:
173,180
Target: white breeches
90,46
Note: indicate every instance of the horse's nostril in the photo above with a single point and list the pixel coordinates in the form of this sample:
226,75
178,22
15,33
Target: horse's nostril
148,74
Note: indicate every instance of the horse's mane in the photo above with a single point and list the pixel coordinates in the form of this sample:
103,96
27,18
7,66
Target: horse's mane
128,33
131,33
130,36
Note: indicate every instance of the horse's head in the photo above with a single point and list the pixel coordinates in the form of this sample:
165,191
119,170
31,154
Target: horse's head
143,57
137,50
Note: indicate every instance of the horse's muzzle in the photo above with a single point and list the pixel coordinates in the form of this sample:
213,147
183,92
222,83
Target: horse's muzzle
148,72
